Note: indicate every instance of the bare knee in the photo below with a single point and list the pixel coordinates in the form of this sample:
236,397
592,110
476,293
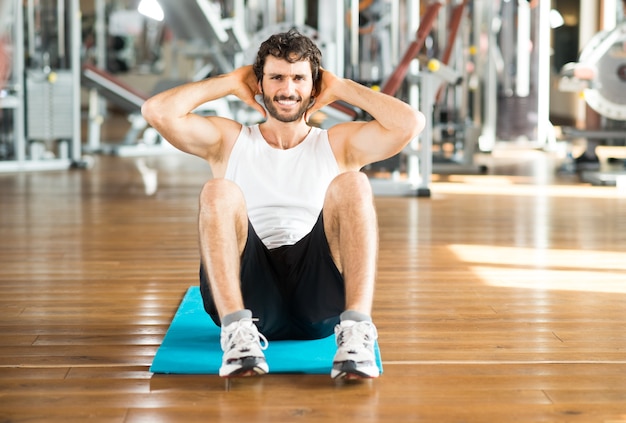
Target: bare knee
348,198
349,188
222,213
221,196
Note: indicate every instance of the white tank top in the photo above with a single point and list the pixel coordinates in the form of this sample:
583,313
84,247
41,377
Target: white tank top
284,189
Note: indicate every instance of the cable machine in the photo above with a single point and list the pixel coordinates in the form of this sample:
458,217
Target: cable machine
513,42
40,100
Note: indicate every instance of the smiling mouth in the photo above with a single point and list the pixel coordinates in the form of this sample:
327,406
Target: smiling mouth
287,101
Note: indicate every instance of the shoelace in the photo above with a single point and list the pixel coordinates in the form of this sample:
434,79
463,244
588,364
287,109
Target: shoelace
244,335
360,333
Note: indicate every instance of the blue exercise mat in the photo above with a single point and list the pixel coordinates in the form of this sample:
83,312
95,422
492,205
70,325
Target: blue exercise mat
192,346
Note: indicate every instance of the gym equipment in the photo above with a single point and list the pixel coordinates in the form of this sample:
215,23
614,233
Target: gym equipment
113,89
435,75
600,75
419,162
130,100
213,41
392,85
211,36
513,63
192,346
126,98
41,99
454,135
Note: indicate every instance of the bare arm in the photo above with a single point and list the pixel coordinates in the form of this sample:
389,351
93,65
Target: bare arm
359,143
170,113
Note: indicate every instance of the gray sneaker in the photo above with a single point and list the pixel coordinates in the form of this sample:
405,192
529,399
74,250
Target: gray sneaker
243,347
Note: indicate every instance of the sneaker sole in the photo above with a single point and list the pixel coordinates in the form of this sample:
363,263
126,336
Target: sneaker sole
249,366
348,370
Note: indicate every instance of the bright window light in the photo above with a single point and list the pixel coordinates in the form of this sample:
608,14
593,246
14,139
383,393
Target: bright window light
151,9
545,269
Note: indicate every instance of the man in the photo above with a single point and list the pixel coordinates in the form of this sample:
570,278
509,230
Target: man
287,226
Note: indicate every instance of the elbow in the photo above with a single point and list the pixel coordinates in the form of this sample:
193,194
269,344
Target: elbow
418,123
149,111
156,112
413,125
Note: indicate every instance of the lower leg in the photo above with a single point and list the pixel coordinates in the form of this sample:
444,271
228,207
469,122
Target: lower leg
351,229
223,230
223,227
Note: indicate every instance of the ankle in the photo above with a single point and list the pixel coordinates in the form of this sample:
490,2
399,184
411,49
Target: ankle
355,316
235,317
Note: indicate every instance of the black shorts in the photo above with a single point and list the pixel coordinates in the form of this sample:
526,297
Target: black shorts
296,291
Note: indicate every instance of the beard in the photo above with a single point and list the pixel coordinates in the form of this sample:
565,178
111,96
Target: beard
287,118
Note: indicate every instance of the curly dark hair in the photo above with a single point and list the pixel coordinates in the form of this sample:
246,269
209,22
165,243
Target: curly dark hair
291,46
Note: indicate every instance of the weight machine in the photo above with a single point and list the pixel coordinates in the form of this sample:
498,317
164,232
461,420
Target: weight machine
40,100
210,40
600,74
439,88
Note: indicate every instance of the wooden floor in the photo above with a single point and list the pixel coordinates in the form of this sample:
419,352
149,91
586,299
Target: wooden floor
499,299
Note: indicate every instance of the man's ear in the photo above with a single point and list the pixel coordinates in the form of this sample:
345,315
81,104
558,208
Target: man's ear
259,86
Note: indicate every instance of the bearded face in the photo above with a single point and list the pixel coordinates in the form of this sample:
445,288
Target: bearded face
287,89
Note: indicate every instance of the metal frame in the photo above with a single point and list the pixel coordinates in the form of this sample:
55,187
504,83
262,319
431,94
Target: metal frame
17,102
419,151
491,20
